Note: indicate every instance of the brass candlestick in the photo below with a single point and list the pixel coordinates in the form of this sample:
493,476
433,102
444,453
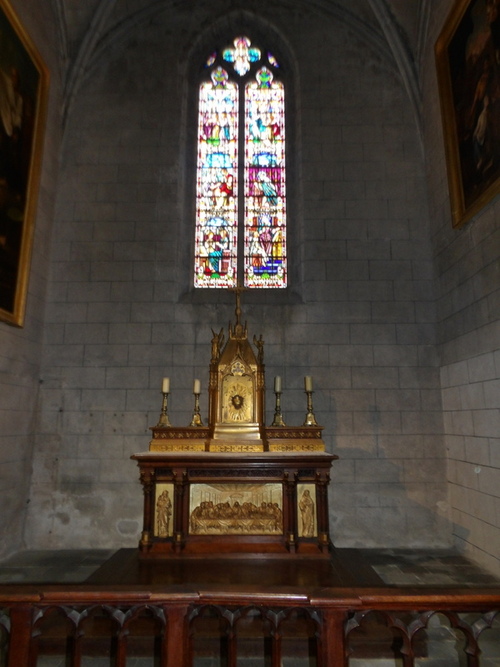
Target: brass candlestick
278,417
310,418
164,420
196,420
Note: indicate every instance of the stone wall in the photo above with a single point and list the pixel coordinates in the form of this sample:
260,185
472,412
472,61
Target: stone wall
21,348
467,261
359,319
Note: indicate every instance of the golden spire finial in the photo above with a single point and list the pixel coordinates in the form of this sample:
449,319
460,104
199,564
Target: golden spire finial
238,328
238,290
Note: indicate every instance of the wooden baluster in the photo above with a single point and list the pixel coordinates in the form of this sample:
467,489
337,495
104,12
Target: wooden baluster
232,647
189,649
76,649
276,649
473,660
121,648
21,649
408,661
164,648
32,662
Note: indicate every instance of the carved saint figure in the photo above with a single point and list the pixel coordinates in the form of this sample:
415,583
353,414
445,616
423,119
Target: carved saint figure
217,343
259,344
163,514
306,506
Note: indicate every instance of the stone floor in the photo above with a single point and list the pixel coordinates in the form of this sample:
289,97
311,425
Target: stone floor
61,566
401,567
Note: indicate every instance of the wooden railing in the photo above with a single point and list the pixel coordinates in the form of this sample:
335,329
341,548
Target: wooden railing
190,629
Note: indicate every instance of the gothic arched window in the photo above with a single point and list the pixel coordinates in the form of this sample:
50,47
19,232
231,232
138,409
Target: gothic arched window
241,180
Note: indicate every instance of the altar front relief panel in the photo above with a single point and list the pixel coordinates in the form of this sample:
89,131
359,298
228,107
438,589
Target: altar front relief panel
236,509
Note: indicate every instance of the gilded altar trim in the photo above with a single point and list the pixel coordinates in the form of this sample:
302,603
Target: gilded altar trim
296,446
174,446
235,446
179,433
293,432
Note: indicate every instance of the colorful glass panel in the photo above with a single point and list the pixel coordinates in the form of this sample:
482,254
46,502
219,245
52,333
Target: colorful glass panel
272,60
242,55
216,241
211,59
265,201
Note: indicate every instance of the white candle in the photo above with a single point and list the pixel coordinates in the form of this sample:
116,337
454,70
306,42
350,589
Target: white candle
308,383
165,387
196,387
277,385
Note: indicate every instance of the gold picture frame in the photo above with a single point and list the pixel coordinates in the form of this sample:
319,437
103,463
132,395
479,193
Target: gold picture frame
468,67
23,98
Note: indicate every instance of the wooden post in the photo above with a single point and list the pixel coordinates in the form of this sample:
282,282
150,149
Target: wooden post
147,480
174,645
20,636
322,503
289,514
181,511
331,642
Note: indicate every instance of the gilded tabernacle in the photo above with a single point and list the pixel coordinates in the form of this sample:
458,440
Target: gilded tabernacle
236,404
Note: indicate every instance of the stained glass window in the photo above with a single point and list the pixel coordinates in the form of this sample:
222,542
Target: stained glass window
217,183
241,178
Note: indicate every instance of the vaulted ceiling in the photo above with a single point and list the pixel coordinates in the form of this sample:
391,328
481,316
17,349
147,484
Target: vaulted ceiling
87,28
78,19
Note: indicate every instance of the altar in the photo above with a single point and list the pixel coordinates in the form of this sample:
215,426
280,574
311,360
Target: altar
236,487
